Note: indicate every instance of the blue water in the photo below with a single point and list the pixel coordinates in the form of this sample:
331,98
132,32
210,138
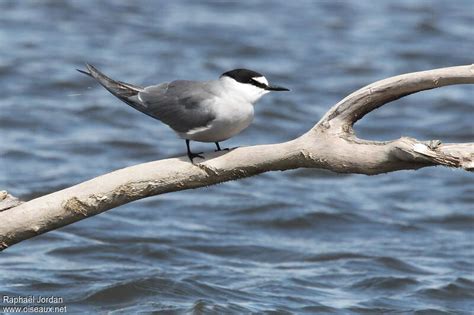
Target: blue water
304,241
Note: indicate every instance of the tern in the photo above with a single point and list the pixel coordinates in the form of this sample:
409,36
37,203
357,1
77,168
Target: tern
204,111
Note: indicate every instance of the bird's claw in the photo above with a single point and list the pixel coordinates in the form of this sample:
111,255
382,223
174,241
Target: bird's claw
195,155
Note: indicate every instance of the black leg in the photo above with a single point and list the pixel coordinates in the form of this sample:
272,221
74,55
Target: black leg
219,147
192,155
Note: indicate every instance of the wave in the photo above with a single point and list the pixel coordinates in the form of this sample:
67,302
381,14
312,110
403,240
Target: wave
385,283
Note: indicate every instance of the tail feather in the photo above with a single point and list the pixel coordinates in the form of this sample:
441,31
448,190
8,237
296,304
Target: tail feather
124,91
85,72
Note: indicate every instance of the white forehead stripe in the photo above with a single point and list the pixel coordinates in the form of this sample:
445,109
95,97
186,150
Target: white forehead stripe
261,80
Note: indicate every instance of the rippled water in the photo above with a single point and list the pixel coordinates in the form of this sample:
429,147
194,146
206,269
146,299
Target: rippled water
304,241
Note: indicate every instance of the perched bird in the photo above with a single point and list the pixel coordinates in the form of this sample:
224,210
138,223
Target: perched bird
204,111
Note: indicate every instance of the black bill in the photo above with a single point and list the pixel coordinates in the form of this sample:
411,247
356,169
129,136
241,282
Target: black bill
276,88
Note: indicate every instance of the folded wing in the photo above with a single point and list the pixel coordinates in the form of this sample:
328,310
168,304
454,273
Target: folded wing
182,105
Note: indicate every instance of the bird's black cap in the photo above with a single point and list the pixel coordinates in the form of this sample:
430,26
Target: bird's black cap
247,76
242,75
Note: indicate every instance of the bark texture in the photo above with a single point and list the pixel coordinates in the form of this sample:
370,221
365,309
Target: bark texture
331,144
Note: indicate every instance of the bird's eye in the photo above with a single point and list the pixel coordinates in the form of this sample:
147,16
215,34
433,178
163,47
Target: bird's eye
257,83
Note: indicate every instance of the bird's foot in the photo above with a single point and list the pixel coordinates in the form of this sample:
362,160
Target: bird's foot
225,149
191,156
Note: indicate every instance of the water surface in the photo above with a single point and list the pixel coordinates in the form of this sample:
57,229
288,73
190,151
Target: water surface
303,241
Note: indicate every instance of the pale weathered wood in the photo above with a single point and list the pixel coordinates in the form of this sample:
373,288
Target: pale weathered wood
7,201
331,144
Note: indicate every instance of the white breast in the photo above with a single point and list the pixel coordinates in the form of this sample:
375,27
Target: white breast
231,118
233,108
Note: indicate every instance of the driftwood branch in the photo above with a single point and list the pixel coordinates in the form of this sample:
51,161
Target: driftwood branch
331,144
7,201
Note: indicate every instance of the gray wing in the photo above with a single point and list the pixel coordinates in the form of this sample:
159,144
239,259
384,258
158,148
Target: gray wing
182,105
